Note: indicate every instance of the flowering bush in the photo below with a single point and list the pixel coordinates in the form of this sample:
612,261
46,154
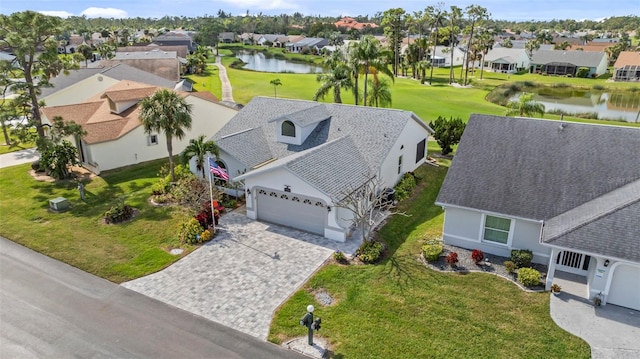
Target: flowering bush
205,235
477,255
118,213
452,258
190,232
339,256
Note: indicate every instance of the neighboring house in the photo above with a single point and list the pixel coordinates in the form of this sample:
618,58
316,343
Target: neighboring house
162,63
506,60
115,136
627,66
275,40
570,192
298,159
349,23
443,54
559,62
79,85
521,44
175,39
181,50
314,43
227,37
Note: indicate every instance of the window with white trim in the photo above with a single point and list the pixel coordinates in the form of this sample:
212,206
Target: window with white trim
496,229
288,129
152,140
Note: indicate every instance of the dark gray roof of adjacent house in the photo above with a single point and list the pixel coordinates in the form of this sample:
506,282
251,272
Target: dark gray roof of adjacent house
578,58
117,72
250,137
538,169
603,225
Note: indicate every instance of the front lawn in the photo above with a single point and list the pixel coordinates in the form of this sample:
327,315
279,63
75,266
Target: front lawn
116,252
400,309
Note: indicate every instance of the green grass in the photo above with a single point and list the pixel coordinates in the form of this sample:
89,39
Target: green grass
117,252
401,309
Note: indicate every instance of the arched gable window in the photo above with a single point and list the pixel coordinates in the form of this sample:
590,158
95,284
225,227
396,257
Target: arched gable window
288,129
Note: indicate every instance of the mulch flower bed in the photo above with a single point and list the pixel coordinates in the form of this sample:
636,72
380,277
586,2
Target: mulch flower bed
490,264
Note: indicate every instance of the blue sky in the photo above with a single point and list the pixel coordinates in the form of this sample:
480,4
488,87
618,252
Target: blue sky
500,9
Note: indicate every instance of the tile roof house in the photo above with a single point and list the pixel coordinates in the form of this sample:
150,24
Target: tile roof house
297,158
564,62
115,136
79,85
569,192
627,66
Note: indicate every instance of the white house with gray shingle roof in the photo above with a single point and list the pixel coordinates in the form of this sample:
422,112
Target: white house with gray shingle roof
569,192
564,62
298,158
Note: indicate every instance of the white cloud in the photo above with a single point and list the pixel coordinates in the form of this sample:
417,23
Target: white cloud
105,12
253,5
62,14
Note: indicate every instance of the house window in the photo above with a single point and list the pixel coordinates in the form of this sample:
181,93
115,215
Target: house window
420,150
152,140
288,129
399,164
496,229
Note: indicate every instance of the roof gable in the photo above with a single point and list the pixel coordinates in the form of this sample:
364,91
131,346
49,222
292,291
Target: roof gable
538,169
305,117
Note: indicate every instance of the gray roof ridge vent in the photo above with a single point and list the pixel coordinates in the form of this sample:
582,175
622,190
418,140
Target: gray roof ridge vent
237,133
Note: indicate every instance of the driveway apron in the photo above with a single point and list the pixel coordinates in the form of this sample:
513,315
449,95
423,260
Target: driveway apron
243,275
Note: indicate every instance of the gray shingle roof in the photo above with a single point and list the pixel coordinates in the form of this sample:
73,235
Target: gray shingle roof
578,58
510,55
604,225
306,116
371,132
117,72
534,169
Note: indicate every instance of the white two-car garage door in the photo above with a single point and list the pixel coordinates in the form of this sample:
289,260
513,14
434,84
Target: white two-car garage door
625,287
293,210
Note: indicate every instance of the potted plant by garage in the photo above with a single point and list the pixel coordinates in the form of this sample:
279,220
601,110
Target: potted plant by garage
555,289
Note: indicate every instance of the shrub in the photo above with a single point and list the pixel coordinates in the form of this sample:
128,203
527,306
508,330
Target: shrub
339,256
452,258
205,235
477,255
582,72
190,232
118,213
509,266
370,251
431,250
405,187
529,277
521,257
35,165
599,87
556,288
447,132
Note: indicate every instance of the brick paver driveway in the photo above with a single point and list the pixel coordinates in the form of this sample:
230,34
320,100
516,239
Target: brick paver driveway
243,275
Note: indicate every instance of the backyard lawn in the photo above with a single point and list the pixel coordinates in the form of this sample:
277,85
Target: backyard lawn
400,309
117,252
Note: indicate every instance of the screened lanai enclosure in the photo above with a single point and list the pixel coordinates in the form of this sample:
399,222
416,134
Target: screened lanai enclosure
559,68
627,73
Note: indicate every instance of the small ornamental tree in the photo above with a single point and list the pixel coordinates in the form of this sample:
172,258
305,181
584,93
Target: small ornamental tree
447,132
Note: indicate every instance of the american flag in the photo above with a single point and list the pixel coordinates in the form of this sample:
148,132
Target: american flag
217,170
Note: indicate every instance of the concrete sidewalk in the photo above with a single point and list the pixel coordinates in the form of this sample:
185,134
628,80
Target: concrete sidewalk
227,91
613,332
18,157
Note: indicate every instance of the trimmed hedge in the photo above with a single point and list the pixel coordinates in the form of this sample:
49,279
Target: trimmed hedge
369,252
529,277
522,257
431,250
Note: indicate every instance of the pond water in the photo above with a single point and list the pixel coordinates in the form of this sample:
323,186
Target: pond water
624,105
258,61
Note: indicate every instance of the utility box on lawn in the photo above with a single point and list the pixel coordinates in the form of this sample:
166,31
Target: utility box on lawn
58,204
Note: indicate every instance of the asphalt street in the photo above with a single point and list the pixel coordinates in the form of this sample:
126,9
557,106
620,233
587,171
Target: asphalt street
51,310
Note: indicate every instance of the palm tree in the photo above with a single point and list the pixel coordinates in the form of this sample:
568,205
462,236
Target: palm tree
531,46
455,16
275,83
338,77
199,148
380,95
166,111
486,42
370,56
524,106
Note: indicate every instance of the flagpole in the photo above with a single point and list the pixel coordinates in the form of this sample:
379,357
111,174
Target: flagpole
213,215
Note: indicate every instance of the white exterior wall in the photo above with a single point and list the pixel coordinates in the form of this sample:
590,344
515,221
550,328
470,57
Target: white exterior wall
602,67
133,147
412,133
80,91
277,179
465,228
233,166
